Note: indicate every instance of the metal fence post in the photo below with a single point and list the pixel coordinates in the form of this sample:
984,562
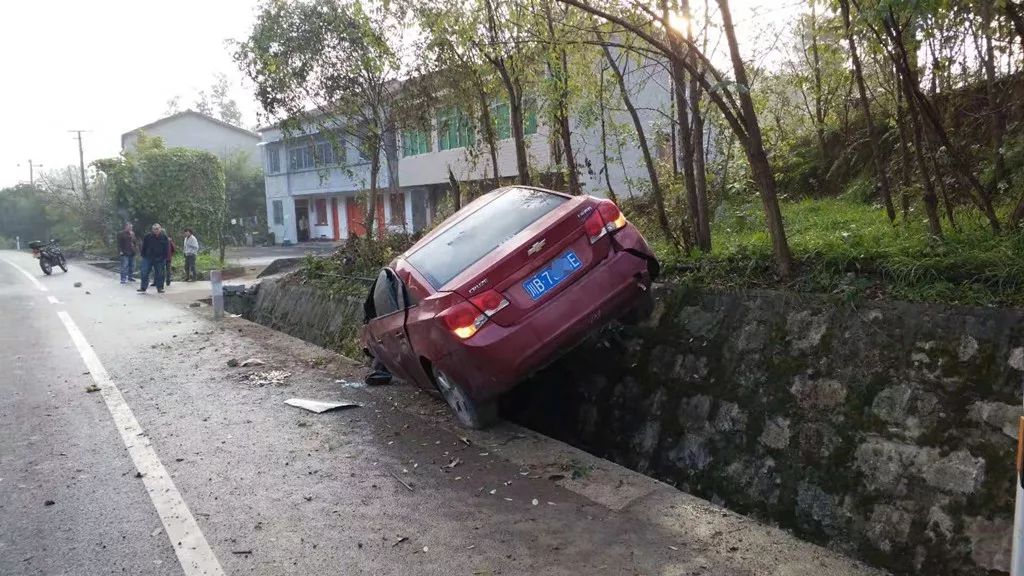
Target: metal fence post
217,294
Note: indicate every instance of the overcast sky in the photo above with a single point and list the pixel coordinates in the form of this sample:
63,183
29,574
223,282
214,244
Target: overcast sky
109,66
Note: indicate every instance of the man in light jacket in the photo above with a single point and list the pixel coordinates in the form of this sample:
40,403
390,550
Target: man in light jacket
191,246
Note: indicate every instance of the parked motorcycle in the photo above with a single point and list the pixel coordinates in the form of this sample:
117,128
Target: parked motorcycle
49,255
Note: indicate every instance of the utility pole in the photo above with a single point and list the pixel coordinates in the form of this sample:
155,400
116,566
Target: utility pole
81,163
31,172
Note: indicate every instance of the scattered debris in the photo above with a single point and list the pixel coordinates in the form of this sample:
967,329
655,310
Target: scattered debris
426,549
241,551
673,548
403,482
234,315
556,477
233,362
378,378
275,377
251,362
194,305
92,388
155,532
399,541
347,384
454,462
49,503
493,492
535,502
308,497
465,440
87,292
138,474
78,284
319,406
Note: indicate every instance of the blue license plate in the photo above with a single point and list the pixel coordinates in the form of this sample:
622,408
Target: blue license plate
559,269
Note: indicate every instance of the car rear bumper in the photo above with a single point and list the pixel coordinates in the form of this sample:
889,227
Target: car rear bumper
497,357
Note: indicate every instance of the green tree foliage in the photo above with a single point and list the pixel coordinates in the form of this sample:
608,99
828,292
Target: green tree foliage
329,67
23,214
176,187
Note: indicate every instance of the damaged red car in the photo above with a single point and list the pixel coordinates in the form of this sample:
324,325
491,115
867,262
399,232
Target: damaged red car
502,288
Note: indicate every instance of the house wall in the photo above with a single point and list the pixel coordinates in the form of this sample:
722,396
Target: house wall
193,131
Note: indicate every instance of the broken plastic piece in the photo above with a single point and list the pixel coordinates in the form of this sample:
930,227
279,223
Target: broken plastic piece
319,406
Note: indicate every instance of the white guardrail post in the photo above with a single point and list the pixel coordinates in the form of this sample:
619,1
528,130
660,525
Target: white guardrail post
217,294
1017,559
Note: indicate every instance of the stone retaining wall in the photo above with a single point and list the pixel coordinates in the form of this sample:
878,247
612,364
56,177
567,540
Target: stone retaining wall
885,430
328,320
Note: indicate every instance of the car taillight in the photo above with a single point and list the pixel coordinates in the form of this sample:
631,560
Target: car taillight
466,318
607,219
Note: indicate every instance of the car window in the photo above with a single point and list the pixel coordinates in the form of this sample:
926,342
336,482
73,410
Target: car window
385,293
480,232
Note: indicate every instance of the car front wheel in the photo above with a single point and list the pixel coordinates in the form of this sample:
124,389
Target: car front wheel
468,412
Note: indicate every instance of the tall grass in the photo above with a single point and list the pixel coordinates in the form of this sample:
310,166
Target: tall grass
847,247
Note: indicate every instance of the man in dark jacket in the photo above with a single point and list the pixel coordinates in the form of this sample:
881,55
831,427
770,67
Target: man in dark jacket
155,248
127,248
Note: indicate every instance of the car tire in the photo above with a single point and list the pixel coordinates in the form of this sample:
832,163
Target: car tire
468,413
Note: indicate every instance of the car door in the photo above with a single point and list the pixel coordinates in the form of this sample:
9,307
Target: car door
390,341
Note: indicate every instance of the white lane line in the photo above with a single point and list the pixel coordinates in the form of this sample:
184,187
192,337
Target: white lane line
27,275
194,553
53,299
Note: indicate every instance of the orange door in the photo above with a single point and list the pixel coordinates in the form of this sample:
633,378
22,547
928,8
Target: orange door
355,217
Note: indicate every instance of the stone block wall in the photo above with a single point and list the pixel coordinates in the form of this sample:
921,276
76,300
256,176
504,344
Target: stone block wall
885,430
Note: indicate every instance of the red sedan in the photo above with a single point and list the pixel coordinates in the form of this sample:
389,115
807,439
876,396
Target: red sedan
502,288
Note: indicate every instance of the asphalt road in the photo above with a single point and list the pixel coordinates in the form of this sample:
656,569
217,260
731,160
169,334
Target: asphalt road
180,464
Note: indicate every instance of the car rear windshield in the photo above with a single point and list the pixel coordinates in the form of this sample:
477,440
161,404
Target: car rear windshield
479,233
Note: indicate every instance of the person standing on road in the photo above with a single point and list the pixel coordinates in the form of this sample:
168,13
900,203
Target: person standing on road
127,248
191,245
155,248
171,249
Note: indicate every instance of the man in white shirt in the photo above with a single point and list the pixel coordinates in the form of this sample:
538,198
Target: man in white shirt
191,247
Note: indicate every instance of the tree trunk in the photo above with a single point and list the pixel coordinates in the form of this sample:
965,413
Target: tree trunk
885,189
1014,13
901,126
492,141
759,165
369,221
561,74
515,107
920,104
652,170
931,202
689,178
604,139
998,128
703,228
456,190
819,108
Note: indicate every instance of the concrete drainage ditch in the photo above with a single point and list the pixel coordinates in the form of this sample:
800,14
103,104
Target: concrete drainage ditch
884,430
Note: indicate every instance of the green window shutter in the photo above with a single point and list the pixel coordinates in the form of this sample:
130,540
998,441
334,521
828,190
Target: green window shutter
530,121
500,115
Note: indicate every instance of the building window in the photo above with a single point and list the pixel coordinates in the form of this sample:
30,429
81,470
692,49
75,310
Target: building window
321,211
301,158
529,116
415,142
273,159
397,201
500,116
324,151
278,212
454,130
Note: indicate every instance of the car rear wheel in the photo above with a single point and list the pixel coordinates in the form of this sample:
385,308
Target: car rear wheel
468,412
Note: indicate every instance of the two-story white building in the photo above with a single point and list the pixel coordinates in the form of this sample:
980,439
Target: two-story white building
316,188
191,129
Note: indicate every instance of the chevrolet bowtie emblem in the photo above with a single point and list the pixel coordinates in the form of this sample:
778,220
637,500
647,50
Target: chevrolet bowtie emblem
537,247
